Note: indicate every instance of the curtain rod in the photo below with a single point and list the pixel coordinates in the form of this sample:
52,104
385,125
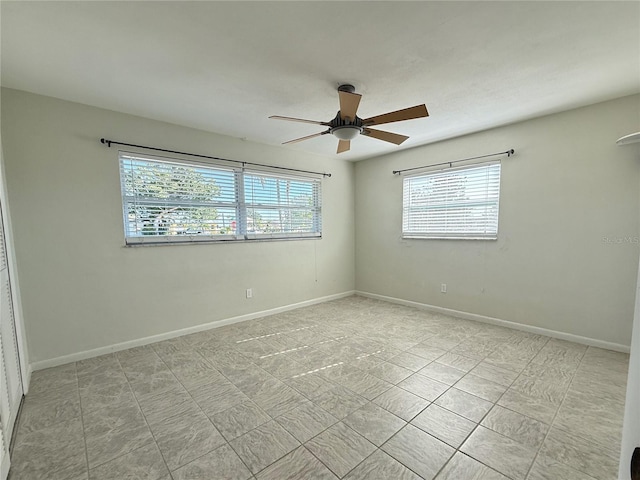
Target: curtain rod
508,152
108,143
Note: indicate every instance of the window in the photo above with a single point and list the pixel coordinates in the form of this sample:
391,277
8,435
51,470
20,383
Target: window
454,203
170,201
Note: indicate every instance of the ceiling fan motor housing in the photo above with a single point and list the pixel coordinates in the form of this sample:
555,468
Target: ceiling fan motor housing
345,129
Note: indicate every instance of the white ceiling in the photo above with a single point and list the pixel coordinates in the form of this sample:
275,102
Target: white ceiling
227,66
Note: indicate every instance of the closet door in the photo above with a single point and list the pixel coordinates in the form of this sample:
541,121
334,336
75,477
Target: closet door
5,461
10,382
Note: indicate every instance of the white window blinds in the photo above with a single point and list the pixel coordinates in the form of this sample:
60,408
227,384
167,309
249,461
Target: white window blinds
280,206
169,201
456,203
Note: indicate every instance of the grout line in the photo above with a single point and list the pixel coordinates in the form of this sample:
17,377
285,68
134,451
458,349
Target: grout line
142,413
564,397
84,434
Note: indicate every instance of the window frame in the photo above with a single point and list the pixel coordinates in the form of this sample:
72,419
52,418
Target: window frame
239,204
490,234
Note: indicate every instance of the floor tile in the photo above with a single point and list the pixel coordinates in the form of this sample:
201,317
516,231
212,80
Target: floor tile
154,384
596,460
221,463
281,366
97,365
474,348
239,419
427,352
533,407
276,398
56,451
463,403
409,360
310,385
297,465
546,468
42,414
509,358
552,390
481,387
374,423
498,375
390,372
423,386
381,466
518,427
113,432
245,378
591,418
500,453
340,401
261,447
306,421
185,437
217,397
106,396
45,380
462,467
459,362
401,403
365,385
166,405
116,442
192,370
441,342
340,448
144,463
442,373
444,425
418,451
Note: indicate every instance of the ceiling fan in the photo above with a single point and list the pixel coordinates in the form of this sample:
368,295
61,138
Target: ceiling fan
347,125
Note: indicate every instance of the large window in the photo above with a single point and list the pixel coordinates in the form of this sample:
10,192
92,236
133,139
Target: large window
169,201
455,203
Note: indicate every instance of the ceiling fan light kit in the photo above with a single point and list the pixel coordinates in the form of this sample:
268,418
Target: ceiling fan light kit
347,125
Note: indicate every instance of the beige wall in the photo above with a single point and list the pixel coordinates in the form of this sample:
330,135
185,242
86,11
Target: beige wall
566,189
82,289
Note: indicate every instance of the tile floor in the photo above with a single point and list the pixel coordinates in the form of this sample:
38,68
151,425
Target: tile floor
354,388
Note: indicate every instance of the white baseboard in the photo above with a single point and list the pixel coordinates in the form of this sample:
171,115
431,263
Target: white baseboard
96,352
503,323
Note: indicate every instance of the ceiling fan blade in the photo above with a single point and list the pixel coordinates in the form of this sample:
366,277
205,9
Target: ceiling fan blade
302,120
306,138
349,105
344,146
397,116
386,136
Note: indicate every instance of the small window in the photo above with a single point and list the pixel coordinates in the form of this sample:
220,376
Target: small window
459,203
171,201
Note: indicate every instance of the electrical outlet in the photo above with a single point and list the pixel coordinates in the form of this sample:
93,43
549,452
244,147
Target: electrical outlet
443,288
249,293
